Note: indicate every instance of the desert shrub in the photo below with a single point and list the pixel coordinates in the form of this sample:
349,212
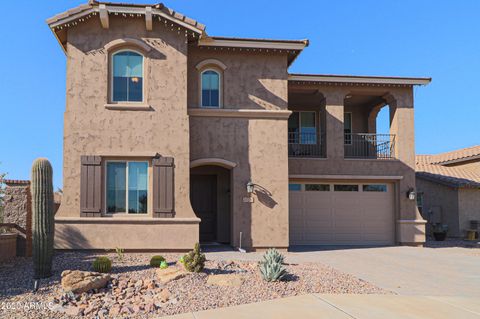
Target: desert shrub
102,264
163,265
271,267
156,260
194,261
120,253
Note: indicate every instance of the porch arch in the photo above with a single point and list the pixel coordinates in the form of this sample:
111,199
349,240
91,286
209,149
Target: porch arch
213,161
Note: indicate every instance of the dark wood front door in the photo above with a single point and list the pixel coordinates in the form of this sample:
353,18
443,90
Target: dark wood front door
203,196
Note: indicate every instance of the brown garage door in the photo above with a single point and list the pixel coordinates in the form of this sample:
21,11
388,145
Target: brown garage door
342,213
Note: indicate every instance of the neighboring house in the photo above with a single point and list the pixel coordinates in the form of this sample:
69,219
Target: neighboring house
173,136
449,188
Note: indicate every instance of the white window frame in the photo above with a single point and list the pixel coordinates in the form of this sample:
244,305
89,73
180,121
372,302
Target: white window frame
220,88
351,128
126,186
111,76
317,127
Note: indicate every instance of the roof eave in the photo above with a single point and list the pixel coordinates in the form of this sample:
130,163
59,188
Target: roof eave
253,43
359,79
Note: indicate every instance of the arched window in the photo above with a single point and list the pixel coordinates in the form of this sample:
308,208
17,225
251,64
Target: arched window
210,88
127,76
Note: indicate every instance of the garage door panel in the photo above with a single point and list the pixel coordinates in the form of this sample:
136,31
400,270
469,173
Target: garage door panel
342,218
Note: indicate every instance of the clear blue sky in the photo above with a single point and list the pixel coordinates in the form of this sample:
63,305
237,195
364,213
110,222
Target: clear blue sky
438,39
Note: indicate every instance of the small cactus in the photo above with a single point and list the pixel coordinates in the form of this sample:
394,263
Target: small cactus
194,261
163,265
273,255
271,267
156,260
43,224
102,264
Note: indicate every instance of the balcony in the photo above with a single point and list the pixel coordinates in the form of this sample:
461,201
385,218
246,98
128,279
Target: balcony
370,146
306,145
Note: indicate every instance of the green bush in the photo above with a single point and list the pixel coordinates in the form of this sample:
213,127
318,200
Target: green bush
163,265
194,261
156,261
102,264
271,267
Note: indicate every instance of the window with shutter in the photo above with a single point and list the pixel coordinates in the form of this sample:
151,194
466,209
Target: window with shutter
163,187
91,186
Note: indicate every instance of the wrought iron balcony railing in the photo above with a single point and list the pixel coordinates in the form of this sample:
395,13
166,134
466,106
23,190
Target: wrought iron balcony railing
368,145
306,144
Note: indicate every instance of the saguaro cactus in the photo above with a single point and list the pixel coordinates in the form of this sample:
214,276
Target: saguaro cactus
43,218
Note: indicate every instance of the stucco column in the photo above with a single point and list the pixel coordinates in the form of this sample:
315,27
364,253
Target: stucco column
410,224
334,108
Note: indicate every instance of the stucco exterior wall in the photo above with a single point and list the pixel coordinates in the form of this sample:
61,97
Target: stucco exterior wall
250,81
92,129
260,157
469,208
440,204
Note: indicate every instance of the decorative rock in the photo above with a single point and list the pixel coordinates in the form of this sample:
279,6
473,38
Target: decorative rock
114,310
78,281
169,274
164,295
225,280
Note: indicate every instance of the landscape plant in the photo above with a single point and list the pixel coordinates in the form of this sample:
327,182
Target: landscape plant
102,264
120,253
43,218
194,261
156,260
271,266
163,265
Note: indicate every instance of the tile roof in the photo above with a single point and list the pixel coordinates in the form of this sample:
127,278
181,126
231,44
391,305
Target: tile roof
87,8
463,154
432,167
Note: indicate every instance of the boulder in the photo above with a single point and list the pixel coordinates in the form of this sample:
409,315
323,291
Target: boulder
79,282
169,274
164,295
225,280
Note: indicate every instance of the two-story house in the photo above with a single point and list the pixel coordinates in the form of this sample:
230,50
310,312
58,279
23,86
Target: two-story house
173,136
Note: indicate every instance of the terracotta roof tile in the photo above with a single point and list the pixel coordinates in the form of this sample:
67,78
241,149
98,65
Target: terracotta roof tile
451,176
92,4
461,154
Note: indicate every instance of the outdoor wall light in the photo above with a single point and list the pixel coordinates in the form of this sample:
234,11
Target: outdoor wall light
411,195
250,187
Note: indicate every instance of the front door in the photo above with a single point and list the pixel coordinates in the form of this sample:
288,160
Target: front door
203,196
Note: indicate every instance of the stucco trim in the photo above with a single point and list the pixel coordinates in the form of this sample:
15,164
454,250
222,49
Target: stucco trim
346,177
240,113
213,161
125,220
208,62
128,107
127,41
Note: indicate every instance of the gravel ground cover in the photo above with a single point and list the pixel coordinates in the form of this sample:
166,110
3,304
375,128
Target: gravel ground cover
135,291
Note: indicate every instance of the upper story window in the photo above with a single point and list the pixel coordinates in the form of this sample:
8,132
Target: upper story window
302,128
127,76
210,88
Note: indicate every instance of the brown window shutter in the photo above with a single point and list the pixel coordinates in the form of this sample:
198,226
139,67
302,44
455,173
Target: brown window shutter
163,187
91,186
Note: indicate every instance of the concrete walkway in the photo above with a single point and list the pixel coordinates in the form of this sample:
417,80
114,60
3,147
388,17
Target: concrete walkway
404,270
320,306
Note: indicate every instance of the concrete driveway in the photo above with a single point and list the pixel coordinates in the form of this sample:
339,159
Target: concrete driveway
404,270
